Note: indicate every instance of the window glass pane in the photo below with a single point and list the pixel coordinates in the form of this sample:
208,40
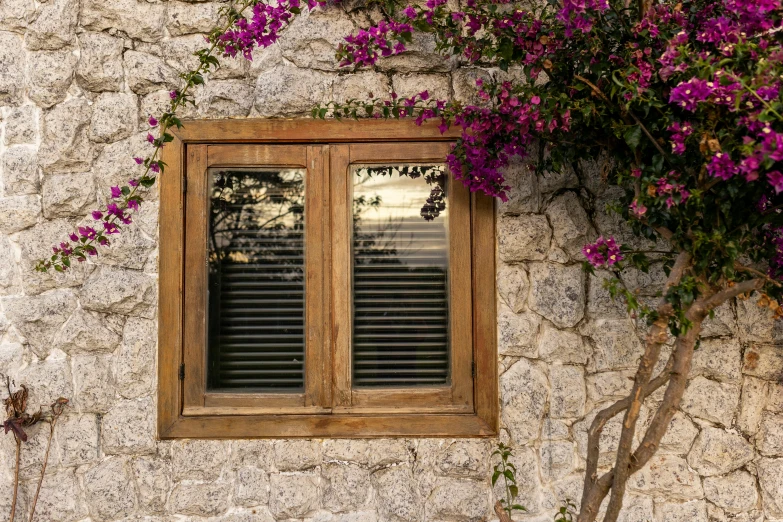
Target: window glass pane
256,280
400,276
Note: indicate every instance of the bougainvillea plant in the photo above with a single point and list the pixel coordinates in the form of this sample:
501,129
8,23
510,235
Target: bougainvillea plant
683,96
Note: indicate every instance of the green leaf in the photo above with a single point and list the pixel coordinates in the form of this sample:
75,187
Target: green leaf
125,190
633,136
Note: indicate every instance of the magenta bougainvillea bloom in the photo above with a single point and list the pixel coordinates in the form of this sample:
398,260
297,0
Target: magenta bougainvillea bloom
603,253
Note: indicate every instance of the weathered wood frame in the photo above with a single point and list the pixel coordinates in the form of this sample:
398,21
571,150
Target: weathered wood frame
328,407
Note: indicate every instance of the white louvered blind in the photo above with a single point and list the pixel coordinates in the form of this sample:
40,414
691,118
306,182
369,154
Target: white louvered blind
256,280
400,277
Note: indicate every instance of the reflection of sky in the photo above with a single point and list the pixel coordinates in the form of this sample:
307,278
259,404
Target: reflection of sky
398,217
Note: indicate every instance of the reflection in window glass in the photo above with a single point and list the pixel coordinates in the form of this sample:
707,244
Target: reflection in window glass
256,279
400,276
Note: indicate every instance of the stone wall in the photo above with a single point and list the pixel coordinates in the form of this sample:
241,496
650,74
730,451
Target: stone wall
77,80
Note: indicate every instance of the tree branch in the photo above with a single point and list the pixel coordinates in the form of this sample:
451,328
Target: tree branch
733,291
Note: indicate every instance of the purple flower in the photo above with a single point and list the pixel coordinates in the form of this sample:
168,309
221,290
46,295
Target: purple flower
775,179
150,138
721,166
409,11
97,214
110,228
116,192
133,182
637,209
152,121
88,232
133,204
138,161
173,95
604,252
688,94
113,210
155,167
73,237
535,100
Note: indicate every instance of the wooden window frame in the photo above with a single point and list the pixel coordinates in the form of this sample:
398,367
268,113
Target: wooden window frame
328,407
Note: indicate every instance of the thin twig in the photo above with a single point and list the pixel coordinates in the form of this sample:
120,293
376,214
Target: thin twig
601,95
16,476
43,467
757,273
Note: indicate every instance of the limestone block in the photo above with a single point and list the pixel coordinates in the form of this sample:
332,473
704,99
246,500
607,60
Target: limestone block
523,238
89,332
77,439
717,452
296,455
178,53
93,380
551,181
49,74
109,489
38,318
197,459
21,126
114,117
561,346
195,499
9,274
65,146
609,439
158,102
718,359
100,62
364,85
464,459
115,165
771,435
693,511
148,73
771,482
571,227
53,26
311,40
523,392
253,453
764,362
723,324
12,67
523,196
129,428
346,487
19,212
616,344
458,500
139,20
668,476
286,90
325,516
346,450
131,248
136,358
420,56
513,285
59,499
517,332
711,400
35,243
70,194
251,487
32,456
293,495
385,452
397,498
438,86
20,170
735,492
679,435
557,293
557,459
187,18
225,99
153,482
606,386
600,304
120,291
775,397
463,83
15,15
11,359
567,399
636,508
754,397
527,464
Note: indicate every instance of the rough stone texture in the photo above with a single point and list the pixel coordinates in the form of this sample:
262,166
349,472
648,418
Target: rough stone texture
100,62
557,293
523,238
19,167
735,492
78,79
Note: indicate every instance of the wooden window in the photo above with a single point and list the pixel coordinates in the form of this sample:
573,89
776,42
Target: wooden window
323,279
